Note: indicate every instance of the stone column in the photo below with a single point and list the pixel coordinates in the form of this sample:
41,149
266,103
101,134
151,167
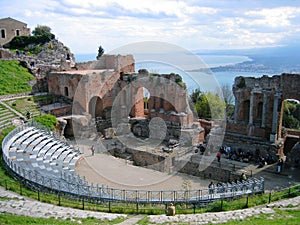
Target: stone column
236,110
251,108
273,136
264,110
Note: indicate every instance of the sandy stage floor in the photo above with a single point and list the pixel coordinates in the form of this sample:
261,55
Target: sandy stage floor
110,171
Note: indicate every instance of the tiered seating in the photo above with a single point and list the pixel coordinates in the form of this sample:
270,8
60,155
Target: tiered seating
34,149
6,117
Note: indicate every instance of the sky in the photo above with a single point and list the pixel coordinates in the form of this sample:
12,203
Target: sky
84,25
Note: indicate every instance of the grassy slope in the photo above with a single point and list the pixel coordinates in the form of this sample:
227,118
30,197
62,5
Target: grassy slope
6,218
13,77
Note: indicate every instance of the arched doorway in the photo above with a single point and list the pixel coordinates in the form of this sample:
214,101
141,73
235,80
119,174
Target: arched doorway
246,112
141,105
290,125
96,107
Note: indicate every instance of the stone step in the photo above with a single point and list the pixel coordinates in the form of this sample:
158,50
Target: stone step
7,114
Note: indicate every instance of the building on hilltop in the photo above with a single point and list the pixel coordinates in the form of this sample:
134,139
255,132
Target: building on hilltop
10,28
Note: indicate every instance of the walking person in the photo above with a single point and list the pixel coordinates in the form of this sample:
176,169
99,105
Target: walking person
219,156
93,150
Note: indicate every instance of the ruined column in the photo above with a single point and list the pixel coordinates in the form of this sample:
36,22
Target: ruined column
264,110
273,135
236,109
251,109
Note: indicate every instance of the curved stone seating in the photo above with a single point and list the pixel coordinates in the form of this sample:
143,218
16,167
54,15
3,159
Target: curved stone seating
34,149
38,157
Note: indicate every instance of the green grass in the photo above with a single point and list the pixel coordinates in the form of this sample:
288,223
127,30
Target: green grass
31,104
3,133
6,218
47,120
22,105
14,78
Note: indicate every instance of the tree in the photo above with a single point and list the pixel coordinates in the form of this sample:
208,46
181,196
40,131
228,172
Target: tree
228,98
291,114
208,105
100,52
42,30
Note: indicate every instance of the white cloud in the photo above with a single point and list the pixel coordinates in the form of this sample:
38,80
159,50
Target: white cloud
274,17
83,25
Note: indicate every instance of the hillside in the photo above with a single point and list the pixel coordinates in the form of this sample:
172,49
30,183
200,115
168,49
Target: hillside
14,78
273,60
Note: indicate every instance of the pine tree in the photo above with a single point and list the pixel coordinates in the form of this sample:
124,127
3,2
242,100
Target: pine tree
100,52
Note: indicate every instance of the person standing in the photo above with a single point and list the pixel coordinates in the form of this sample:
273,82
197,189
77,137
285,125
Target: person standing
279,165
211,187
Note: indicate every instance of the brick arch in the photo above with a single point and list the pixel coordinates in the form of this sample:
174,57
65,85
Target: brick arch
96,107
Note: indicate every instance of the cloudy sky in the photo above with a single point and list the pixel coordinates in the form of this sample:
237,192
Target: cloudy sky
83,25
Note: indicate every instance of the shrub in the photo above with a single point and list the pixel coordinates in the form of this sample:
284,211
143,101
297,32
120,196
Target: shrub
20,42
47,120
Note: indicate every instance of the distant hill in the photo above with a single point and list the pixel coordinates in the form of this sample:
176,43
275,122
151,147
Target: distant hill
273,60
14,78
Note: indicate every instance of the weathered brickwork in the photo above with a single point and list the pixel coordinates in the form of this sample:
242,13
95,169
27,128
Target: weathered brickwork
259,104
258,114
110,85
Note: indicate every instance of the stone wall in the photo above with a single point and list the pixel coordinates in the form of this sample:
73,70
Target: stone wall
144,159
249,144
5,54
118,63
115,89
213,171
259,104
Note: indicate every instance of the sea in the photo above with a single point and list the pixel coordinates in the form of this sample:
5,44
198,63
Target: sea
204,80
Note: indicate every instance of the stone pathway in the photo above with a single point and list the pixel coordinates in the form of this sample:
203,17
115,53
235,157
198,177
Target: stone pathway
132,220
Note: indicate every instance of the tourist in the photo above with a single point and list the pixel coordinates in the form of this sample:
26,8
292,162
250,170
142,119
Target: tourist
243,177
171,210
211,187
219,156
93,150
27,114
279,165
